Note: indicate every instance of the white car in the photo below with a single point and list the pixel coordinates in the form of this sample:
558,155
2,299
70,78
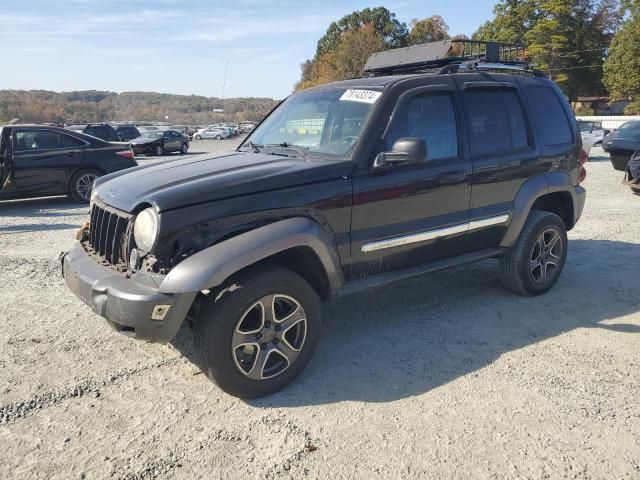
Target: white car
211,132
592,134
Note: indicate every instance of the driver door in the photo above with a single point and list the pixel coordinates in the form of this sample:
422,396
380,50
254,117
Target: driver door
405,215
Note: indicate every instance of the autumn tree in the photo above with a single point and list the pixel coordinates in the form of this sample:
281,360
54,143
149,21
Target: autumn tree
432,29
346,60
392,32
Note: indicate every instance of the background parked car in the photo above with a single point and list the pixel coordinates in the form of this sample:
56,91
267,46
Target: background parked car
98,130
622,143
159,142
592,134
38,161
127,132
212,132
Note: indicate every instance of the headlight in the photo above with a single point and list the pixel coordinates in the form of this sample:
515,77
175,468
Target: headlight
145,229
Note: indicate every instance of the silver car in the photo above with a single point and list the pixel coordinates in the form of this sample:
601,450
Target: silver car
211,132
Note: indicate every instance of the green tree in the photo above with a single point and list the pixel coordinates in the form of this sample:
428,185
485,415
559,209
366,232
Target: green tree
622,68
566,38
385,24
432,29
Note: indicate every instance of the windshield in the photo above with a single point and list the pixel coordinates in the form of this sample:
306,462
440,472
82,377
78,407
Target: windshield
630,126
151,134
324,122
628,130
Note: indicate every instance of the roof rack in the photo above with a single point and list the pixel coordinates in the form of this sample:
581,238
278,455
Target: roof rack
451,56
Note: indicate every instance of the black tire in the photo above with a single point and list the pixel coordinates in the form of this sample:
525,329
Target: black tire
198,137
220,319
218,137
184,148
159,151
521,267
78,185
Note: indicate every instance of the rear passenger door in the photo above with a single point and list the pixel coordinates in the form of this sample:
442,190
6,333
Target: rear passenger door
503,155
405,215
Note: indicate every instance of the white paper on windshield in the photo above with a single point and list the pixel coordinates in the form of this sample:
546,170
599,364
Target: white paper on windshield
364,96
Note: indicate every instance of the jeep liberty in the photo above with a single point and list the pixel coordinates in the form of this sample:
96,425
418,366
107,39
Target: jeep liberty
424,164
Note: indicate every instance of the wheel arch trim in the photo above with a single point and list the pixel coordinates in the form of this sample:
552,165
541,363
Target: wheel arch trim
532,190
210,267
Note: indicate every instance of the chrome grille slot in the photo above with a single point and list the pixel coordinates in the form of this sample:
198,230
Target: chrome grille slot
108,235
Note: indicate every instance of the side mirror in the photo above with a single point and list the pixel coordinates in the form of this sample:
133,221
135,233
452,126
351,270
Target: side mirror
405,151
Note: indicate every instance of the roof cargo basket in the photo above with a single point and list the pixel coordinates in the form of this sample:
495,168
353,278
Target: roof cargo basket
451,56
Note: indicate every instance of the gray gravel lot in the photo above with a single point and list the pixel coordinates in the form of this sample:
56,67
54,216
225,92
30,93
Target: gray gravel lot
447,376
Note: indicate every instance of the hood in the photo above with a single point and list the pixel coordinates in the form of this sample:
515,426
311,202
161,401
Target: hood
190,181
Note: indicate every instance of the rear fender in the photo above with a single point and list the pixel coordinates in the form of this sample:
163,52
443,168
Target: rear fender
210,267
529,192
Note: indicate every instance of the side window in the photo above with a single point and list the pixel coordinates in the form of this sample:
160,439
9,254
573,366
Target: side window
550,116
70,142
597,126
429,116
36,140
497,121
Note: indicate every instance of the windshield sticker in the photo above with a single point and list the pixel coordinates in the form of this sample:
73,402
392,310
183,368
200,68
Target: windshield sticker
364,96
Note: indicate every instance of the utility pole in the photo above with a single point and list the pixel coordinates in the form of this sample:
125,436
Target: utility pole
224,83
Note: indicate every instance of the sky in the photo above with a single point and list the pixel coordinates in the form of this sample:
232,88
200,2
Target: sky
183,47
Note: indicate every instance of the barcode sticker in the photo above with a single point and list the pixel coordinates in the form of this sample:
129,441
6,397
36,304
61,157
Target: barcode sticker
364,96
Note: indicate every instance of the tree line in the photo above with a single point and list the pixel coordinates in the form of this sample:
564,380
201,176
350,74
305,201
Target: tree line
589,47
40,106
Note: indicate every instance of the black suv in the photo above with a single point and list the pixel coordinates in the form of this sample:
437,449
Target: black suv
126,132
103,131
343,187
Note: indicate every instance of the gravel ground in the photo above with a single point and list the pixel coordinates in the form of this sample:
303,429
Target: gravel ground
447,376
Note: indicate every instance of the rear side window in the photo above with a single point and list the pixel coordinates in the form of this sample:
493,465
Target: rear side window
70,142
550,116
497,121
429,116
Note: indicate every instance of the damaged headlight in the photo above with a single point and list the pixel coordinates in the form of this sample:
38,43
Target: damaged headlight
145,229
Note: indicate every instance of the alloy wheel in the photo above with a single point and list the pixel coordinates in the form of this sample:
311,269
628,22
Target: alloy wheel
84,185
269,336
546,256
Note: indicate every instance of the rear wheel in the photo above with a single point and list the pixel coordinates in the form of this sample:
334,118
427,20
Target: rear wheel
258,334
159,151
218,137
81,185
184,148
534,264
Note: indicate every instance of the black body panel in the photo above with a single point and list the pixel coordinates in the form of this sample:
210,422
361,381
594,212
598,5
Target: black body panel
47,169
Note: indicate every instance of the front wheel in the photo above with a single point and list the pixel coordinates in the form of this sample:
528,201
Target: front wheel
257,335
198,137
218,137
534,264
184,148
81,185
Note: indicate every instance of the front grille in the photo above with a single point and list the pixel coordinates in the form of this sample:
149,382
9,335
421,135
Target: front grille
109,235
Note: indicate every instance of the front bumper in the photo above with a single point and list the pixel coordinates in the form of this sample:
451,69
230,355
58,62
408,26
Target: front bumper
126,303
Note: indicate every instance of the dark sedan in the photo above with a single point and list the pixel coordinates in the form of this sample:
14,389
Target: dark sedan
38,161
622,143
158,142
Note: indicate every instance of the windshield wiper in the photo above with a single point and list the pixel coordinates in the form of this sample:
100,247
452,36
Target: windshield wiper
254,147
291,146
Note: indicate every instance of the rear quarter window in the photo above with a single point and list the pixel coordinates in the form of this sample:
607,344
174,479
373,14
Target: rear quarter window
551,118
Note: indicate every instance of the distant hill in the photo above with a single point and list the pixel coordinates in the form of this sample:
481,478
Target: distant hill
93,105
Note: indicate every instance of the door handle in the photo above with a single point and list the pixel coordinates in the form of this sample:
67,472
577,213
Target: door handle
454,177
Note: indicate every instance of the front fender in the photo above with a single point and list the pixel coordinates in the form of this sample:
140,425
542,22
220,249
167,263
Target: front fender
210,267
